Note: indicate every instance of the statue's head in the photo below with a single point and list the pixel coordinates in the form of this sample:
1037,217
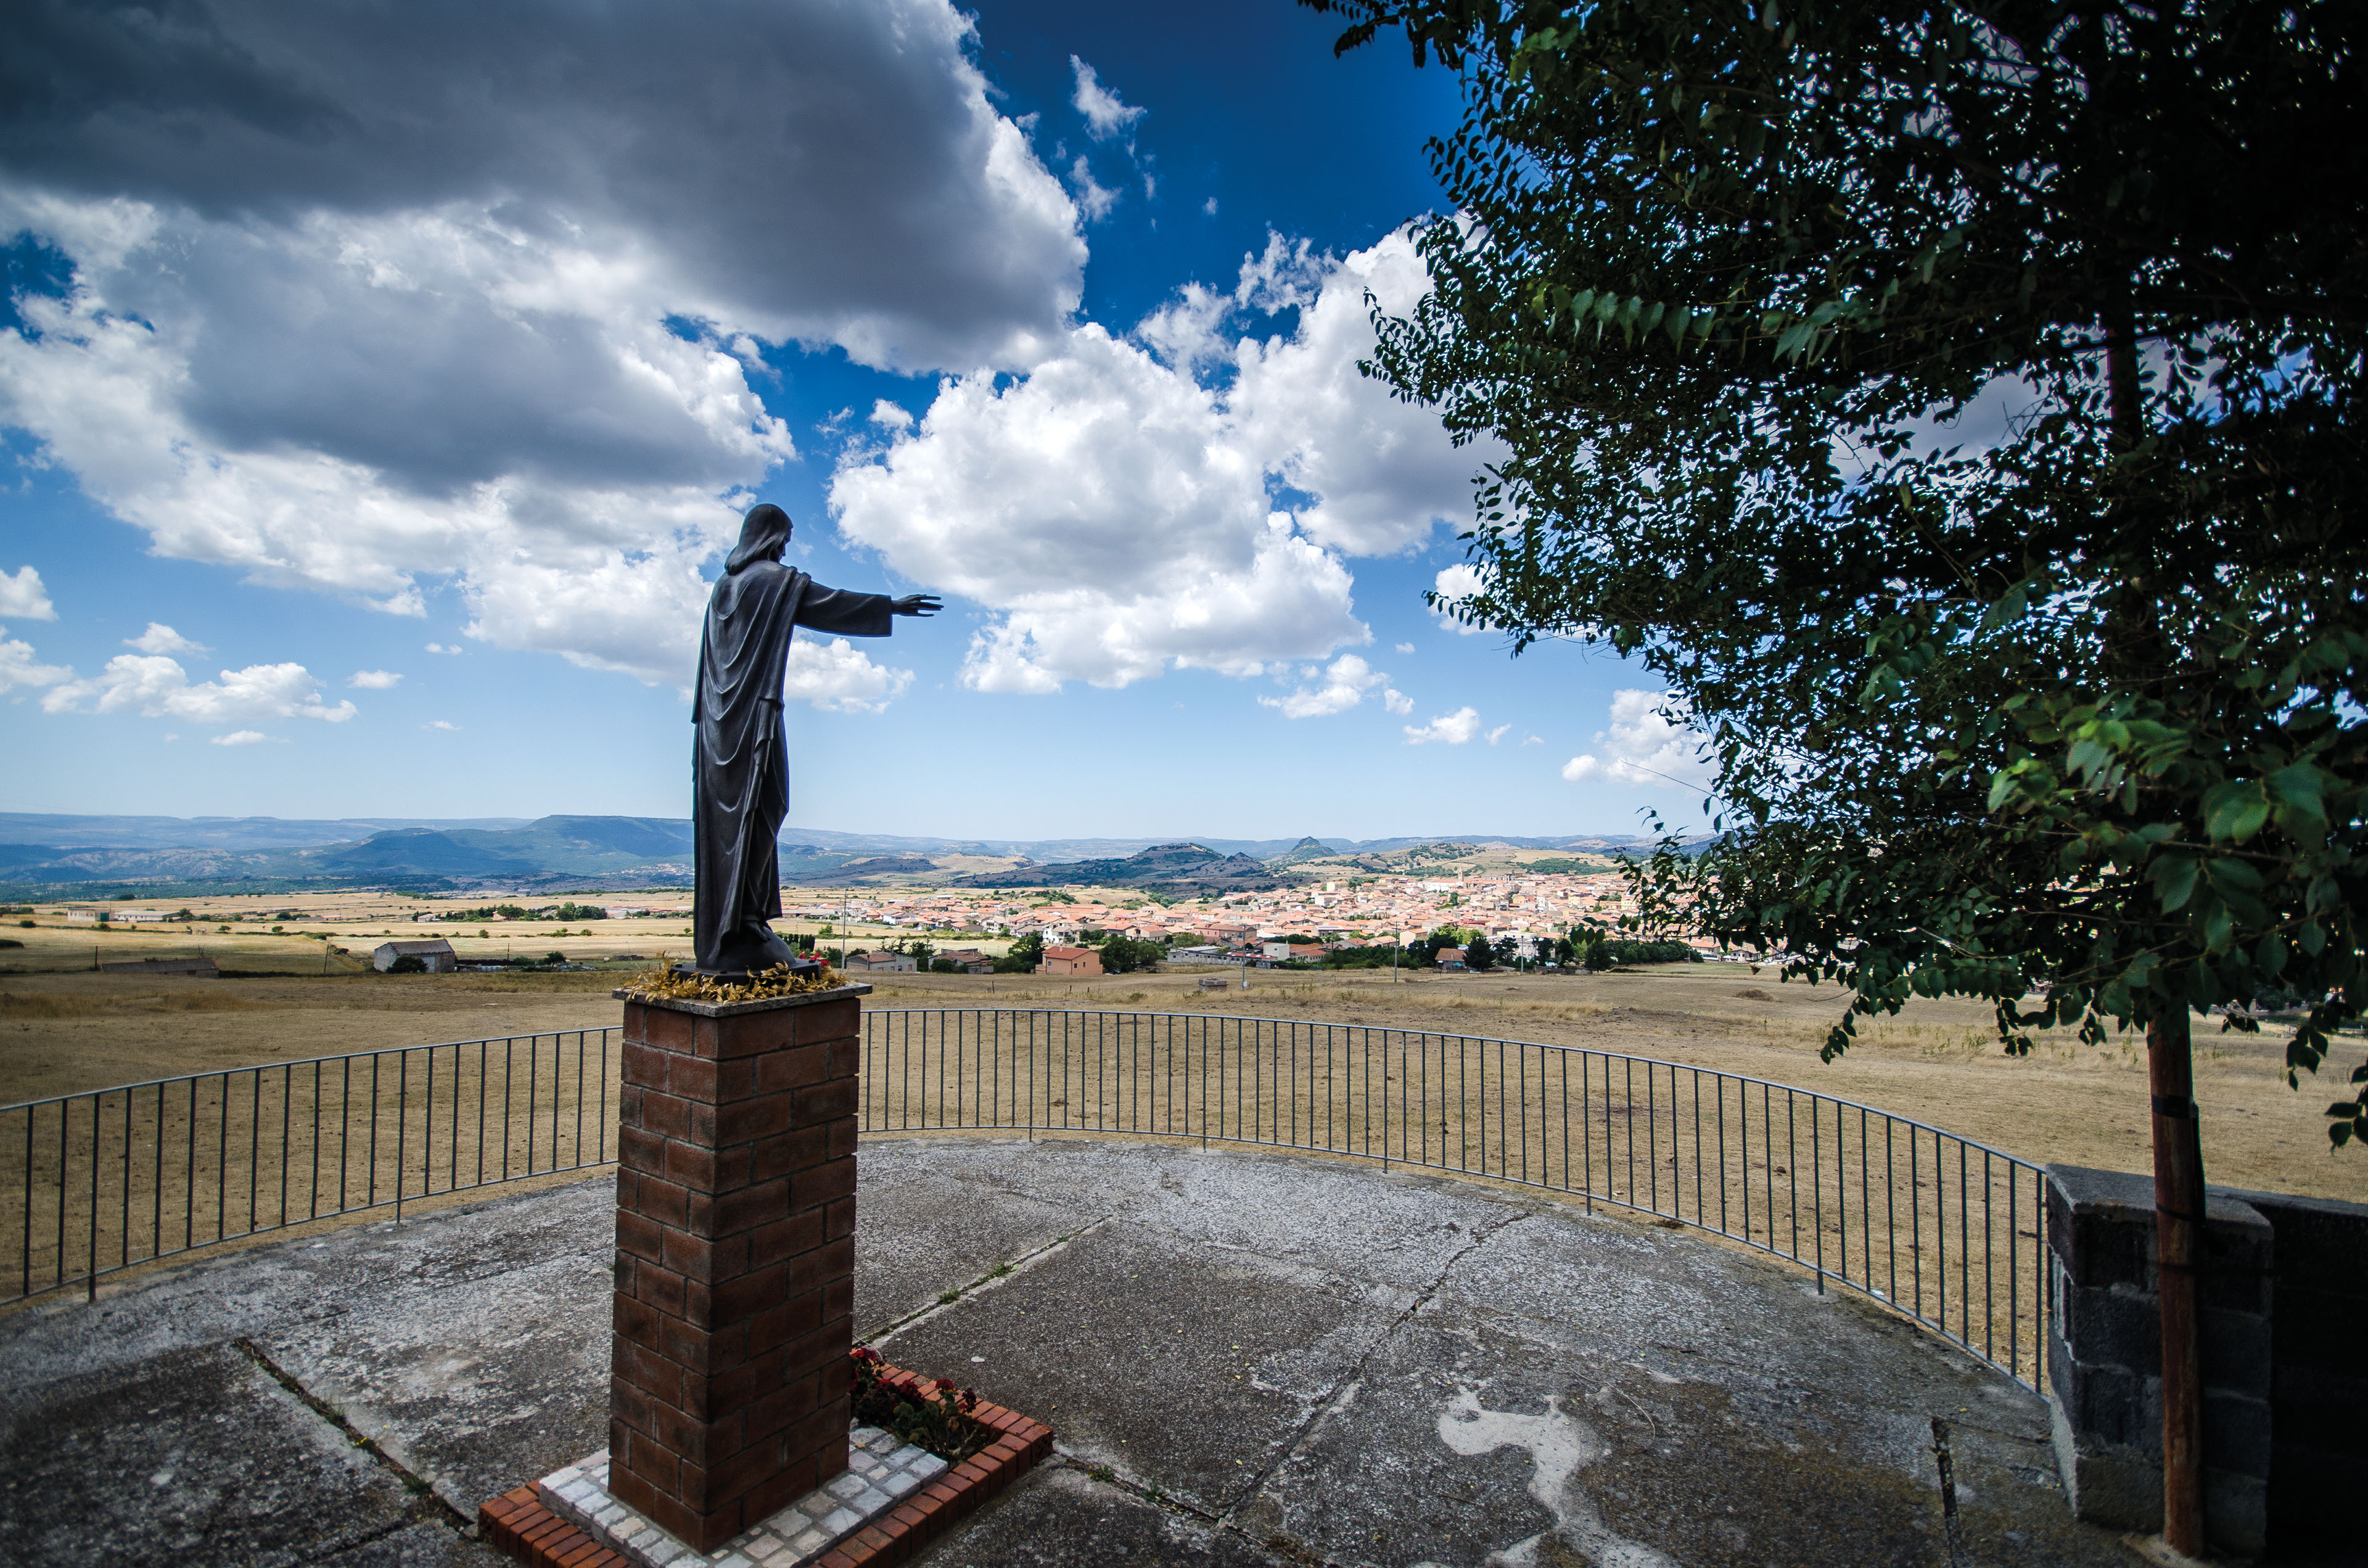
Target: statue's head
764,533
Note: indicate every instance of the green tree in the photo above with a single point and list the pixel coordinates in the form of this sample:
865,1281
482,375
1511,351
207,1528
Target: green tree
1123,955
1478,954
1716,274
1023,956
2065,703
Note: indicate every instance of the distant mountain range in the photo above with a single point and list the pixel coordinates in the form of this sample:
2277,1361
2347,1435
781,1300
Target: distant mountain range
49,856
1181,870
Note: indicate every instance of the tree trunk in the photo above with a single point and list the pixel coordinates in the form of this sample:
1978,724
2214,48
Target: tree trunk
2178,1246
2140,660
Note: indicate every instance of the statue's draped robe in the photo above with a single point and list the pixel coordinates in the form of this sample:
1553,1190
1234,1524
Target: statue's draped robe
740,767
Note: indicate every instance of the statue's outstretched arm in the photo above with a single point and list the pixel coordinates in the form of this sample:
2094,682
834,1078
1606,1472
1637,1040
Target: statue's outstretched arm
836,612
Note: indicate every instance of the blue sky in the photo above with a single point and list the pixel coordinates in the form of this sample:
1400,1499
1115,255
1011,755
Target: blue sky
412,373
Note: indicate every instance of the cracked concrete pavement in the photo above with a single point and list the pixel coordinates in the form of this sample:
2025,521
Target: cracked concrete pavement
1249,1360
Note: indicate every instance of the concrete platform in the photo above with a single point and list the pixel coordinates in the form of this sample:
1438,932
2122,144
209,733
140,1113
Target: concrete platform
1249,1360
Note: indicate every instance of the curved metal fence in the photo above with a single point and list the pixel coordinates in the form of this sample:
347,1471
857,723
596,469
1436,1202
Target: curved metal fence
92,1183
1943,1230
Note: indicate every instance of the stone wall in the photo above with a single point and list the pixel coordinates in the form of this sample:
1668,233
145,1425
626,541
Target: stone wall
2283,1286
2319,1399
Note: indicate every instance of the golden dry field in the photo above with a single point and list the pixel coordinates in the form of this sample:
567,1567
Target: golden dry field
1404,1068
64,1028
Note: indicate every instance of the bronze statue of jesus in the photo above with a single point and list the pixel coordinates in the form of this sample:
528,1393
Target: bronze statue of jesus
740,763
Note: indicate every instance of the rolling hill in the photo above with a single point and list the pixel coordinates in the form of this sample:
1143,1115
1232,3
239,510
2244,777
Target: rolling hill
54,857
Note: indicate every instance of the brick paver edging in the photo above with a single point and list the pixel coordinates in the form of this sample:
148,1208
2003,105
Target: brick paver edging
519,1525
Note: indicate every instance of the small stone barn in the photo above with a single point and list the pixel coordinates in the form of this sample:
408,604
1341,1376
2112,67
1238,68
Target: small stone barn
436,954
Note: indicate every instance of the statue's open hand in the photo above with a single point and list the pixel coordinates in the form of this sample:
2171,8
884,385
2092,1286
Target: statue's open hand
916,603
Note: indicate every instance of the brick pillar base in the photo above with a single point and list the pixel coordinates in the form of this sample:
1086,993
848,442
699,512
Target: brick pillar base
736,1257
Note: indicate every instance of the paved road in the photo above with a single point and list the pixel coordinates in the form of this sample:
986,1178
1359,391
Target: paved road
1249,1360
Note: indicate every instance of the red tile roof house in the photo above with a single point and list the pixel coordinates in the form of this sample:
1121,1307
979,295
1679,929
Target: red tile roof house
1450,958
1070,960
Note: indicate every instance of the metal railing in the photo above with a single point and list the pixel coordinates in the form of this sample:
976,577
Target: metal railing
1940,1229
1943,1230
92,1183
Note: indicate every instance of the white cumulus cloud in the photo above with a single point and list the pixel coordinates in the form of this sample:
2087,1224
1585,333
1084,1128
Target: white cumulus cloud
1105,116
840,678
1397,701
162,638
376,680
159,687
1450,729
1346,681
444,724
1384,472
1647,742
1096,199
1498,733
1453,583
240,738
382,310
1101,506
1128,505
22,598
19,667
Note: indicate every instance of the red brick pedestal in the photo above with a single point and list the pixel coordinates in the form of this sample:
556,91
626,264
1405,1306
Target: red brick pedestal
736,1257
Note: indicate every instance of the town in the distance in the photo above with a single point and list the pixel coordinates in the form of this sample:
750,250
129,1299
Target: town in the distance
1455,904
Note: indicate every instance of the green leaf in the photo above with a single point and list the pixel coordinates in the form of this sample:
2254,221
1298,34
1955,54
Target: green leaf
2234,876
2270,954
2234,812
2219,927
2174,880
2006,610
2300,787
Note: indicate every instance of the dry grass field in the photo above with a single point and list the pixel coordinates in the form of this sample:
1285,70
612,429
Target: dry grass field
63,1031
1355,1061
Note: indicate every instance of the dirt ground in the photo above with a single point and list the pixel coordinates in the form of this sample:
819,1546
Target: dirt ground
63,1031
